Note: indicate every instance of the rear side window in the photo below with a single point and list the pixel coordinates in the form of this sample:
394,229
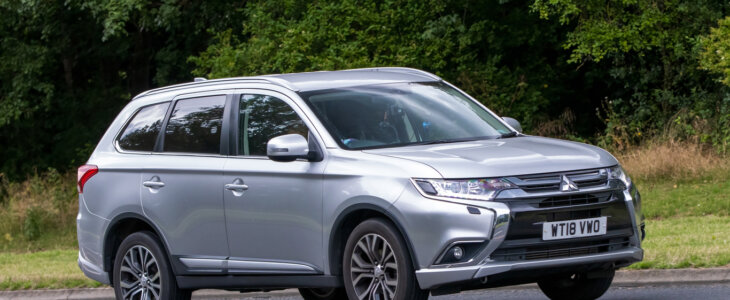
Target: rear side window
195,125
141,132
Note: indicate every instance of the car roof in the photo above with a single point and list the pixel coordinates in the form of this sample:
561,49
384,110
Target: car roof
310,81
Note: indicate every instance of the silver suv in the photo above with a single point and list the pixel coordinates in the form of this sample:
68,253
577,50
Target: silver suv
384,183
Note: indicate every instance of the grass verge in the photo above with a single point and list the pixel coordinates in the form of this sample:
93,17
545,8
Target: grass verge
52,269
686,199
688,222
687,242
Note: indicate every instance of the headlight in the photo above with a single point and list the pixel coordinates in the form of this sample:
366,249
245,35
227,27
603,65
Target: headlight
472,189
618,173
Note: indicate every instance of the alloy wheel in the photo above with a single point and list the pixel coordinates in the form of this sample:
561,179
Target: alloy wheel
140,277
374,268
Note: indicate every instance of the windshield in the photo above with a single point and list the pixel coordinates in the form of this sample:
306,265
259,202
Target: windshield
399,114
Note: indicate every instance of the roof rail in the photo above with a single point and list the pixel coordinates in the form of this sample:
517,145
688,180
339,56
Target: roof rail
271,79
402,70
255,79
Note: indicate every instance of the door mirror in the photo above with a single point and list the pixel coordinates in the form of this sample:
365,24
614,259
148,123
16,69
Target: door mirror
288,147
513,123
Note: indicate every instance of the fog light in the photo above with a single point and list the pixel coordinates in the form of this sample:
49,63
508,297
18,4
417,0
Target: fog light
458,253
461,252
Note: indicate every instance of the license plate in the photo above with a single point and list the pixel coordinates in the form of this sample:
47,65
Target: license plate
573,228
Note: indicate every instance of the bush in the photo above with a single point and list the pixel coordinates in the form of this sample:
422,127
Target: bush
32,226
38,212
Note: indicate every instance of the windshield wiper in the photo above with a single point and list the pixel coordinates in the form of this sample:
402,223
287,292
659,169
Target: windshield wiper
508,135
445,141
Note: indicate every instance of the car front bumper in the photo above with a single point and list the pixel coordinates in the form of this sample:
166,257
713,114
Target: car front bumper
431,278
509,225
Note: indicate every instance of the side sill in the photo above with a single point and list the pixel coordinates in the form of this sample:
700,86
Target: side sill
238,282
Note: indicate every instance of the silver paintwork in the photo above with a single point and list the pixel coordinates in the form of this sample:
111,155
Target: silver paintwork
251,214
188,209
290,145
514,123
503,157
279,216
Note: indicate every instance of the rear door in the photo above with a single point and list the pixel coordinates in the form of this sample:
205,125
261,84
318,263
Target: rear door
181,188
275,220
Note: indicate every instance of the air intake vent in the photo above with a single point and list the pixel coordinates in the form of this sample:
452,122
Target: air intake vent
566,250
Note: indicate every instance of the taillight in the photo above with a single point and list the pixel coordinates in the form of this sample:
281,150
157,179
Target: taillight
84,174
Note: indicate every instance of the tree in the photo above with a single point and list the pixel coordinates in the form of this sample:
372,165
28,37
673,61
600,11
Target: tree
715,55
499,52
68,67
648,54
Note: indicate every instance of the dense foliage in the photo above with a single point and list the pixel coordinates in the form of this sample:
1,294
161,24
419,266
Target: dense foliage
610,72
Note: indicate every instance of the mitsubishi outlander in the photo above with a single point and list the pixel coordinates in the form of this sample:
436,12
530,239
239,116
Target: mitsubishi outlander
383,183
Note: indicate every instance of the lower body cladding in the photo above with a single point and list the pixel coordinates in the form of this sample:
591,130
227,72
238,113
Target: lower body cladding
240,274
515,251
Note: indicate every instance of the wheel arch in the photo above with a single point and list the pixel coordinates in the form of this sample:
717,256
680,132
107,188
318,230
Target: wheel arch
119,228
347,220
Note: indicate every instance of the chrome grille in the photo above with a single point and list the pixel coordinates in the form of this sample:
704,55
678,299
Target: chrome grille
551,181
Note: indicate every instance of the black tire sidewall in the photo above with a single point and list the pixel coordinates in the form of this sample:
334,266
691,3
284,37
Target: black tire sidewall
407,287
583,289
148,240
311,294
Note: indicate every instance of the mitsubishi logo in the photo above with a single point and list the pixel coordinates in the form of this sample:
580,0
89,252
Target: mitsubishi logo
567,185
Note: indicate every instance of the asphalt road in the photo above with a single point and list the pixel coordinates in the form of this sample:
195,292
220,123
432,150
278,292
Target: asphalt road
530,292
663,292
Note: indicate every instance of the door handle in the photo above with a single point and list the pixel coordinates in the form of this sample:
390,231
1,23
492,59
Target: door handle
236,187
154,183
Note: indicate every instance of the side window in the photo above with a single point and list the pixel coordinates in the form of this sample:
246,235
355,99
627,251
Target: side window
141,132
263,117
195,125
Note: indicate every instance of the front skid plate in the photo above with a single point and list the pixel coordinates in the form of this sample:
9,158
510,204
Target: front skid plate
430,278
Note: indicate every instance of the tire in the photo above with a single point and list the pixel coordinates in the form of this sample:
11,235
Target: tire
323,294
143,249
386,273
576,286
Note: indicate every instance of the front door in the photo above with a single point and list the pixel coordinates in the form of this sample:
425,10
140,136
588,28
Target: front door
273,209
181,188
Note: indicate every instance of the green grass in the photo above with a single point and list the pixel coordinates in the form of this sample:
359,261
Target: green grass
686,242
45,269
693,198
53,239
688,223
